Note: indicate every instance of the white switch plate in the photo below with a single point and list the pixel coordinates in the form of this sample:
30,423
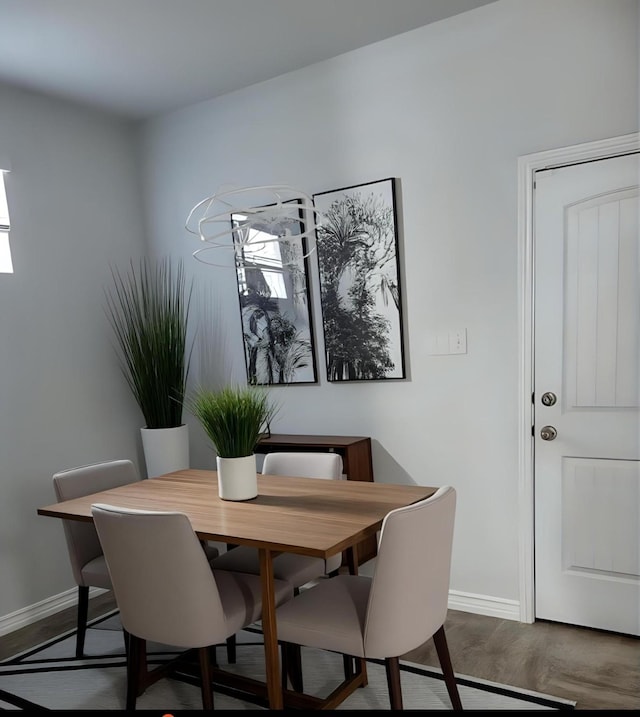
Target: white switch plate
442,343
458,341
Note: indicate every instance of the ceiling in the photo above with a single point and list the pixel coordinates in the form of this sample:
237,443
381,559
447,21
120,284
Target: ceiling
137,58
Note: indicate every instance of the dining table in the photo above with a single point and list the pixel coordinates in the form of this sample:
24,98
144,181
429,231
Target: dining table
307,516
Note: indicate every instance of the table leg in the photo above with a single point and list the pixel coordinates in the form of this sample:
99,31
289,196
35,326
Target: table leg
352,559
271,656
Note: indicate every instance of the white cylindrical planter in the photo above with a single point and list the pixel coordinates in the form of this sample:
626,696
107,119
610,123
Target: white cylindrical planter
165,449
237,478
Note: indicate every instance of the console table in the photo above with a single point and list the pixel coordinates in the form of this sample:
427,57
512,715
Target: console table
356,461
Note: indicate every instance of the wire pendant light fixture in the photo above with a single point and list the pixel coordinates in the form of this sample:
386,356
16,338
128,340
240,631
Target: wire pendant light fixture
248,220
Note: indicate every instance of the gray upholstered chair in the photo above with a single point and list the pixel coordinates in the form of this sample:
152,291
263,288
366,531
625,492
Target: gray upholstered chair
167,592
295,569
85,553
393,612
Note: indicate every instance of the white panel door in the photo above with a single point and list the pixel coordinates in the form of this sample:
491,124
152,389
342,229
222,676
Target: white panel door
587,443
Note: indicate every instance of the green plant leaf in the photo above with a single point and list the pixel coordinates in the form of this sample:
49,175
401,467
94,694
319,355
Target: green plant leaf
233,417
148,308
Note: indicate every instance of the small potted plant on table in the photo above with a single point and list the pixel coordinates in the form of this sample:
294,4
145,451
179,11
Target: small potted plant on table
233,418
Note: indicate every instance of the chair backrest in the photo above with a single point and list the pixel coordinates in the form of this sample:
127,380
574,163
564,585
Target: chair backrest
82,540
162,580
410,588
307,465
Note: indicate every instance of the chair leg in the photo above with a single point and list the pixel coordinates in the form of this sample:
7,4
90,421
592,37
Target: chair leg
447,670
83,613
284,667
206,678
347,662
291,666
231,649
392,668
134,655
126,636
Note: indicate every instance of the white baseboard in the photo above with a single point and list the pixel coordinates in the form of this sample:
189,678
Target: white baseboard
466,602
469,602
484,605
32,613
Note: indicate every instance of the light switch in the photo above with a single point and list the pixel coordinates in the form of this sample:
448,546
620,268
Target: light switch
445,342
458,341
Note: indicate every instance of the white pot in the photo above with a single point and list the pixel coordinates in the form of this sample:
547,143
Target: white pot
165,449
237,478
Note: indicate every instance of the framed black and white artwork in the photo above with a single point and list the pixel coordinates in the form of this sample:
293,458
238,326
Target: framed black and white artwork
358,263
273,288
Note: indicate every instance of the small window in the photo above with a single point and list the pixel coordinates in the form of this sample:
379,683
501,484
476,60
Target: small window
6,265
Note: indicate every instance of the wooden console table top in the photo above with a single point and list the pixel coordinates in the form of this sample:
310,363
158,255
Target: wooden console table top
277,439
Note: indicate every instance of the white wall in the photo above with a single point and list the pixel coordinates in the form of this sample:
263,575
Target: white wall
447,109
75,208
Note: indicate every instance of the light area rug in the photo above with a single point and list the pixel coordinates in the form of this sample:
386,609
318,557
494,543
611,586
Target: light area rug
49,677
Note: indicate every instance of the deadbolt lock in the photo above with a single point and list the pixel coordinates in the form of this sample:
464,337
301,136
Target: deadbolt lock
549,399
548,433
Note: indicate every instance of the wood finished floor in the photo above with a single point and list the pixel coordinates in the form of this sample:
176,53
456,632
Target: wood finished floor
598,670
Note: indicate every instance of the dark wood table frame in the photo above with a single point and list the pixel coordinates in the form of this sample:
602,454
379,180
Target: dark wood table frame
299,515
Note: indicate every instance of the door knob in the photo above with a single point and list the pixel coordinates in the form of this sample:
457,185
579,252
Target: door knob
548,433
549,398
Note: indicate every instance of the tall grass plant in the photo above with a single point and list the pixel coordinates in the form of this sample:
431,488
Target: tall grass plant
148,308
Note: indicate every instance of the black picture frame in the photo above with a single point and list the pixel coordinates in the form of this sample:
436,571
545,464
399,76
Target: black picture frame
359,271
275,307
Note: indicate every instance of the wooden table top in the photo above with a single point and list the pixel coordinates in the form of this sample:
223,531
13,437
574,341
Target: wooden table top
299,515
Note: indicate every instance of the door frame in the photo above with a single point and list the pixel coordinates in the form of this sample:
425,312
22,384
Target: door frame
528,165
